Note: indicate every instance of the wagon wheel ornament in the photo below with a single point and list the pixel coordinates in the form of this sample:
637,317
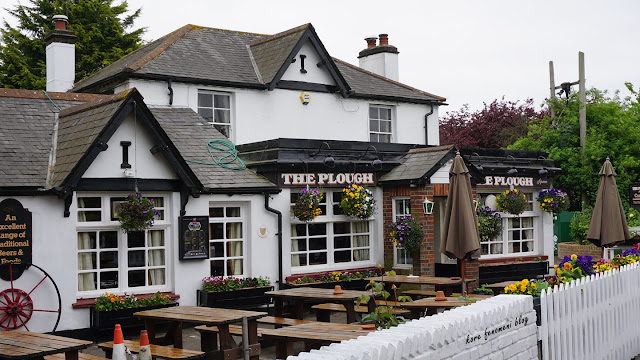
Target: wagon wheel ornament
17,306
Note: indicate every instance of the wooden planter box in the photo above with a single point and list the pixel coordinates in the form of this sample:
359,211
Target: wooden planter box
569,248
234,299
106,320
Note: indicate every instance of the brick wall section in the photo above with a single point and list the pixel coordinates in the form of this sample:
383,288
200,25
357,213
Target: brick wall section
417,194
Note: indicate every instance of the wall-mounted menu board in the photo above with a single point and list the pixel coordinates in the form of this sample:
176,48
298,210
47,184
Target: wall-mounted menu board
15,239
194,237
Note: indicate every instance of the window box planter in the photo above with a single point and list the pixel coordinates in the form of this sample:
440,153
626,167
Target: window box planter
355,284
246,297
106,320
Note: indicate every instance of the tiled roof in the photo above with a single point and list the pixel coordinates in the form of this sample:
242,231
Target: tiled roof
233,58
418,163
27,118
190,133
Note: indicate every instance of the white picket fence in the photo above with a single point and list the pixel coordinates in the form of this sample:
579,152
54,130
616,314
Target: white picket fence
596,317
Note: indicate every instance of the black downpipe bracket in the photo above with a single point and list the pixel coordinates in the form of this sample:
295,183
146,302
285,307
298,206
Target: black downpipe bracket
426,125
279,234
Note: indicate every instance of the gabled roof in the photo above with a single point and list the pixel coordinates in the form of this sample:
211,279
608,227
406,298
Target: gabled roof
217,57
419,164
27,118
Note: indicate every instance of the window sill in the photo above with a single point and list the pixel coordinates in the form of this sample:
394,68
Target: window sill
88,302
512,259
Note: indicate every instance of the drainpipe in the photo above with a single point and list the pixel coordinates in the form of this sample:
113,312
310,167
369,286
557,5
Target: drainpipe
170,93
279,234
426,126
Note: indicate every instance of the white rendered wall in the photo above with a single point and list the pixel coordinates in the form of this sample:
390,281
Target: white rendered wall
314,74
384,64
60,62
143,163
259,115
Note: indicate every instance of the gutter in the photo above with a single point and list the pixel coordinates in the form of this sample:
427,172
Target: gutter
279,234
426,125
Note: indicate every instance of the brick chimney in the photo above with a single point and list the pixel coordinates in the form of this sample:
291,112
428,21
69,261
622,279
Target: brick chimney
381,59
61,56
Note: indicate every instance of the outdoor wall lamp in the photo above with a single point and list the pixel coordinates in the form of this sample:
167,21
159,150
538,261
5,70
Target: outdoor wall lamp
543,171
479,166
328,161
513,170
376,164
427,206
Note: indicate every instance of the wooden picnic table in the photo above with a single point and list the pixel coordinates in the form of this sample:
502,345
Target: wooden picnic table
441,283
302,294
19,344
204,316
313,335
429,306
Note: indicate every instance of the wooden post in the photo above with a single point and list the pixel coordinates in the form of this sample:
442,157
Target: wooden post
552,88
583,100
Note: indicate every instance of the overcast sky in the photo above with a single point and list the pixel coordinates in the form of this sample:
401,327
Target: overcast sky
467,51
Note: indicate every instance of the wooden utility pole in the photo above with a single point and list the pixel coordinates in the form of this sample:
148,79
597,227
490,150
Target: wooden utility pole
583,100
552,88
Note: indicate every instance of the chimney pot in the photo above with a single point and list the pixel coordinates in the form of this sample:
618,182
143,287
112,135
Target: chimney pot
384,39
60,21
371,41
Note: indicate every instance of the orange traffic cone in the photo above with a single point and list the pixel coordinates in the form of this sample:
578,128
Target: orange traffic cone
145,349
118,345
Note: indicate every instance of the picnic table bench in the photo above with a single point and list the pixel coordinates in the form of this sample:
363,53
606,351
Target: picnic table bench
323,311
164,352
18,345
81,356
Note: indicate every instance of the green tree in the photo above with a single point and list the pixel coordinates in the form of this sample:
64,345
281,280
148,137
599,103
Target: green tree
613,130
100,27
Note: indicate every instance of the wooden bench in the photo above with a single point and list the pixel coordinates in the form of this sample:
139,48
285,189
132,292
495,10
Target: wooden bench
81,356
323,311
425,293
157,351
282,321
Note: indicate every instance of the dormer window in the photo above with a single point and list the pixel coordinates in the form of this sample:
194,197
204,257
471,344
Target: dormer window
216,109
380,123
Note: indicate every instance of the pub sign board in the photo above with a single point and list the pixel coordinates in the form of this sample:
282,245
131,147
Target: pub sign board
634,195
517,181
194,237
15,239
326,179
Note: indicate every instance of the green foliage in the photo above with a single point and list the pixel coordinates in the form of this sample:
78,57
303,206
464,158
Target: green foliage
579,226
100,27
220,284
383,315
612,130
483,289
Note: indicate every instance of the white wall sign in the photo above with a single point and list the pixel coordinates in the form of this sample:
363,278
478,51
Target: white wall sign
508,181
326,180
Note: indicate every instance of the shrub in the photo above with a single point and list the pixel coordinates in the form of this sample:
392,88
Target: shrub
579,226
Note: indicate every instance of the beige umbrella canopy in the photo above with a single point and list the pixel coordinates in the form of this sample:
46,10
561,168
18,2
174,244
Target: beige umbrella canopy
460,238
609,222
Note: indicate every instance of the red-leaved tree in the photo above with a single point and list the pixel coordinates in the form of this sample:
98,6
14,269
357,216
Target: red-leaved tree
498,125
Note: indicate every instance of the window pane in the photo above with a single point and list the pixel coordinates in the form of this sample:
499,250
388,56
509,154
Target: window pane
115,207
87,281
299,260
342,242
87,261
374,138
216,212
136,258
108,239
234,248
317,244
527,246
108,280
206,113
299,230
361,241
384,138
135,239
317,229
205,100
496,249
109,260
360,227
318,258
222,116
89,203
86,216
234,267
373,112
136,278
86,240
361,255
374,125
222,101
217,249
341,228
385,114
156,238
234,231
217,268
385,126
527,234
217,230
224,129
298,245
233,212
156,277
527,222
342,256
156,257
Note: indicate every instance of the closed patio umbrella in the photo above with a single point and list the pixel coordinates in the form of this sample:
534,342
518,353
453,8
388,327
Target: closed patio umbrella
460,238
609,222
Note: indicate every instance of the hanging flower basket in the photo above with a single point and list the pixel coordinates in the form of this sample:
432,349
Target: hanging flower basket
553,201
307,207
136,213
489,224
407,233
357,201
512,201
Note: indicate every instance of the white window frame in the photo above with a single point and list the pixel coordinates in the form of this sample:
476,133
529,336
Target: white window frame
108,225
530,212
243,218
392,123
213,94
328,218
398,252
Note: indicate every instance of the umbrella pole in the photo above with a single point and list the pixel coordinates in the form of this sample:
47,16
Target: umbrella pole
464,283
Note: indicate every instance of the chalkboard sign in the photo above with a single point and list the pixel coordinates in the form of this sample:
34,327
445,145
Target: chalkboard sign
634,195
15,239
194,237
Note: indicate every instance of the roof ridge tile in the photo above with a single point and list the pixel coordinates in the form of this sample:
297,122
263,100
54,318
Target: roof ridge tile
279,35
39,94
98,103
